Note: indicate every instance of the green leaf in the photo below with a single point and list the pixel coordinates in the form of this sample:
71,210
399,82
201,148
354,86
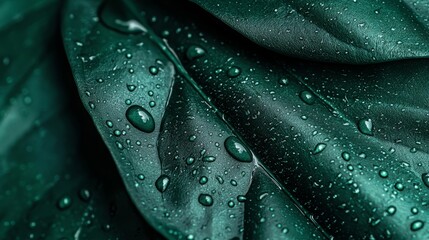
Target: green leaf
168,142
52,185
360,31
344,145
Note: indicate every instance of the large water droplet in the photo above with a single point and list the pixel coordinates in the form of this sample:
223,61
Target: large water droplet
425,179
417,225
205,200
237,150
365,126
319,148
234,72
140,118
195,52
307,97
162,183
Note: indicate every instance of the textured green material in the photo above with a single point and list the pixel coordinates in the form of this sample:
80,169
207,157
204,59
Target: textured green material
354,31
52,185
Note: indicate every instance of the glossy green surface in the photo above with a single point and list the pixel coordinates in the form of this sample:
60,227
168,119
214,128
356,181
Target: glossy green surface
354,31
57,179
209,134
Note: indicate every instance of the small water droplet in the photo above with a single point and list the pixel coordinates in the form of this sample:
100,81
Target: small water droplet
84,195
414,210
152,104
131,87
383,173
109,124
365,126
203,180
319,148
141,177
140,118
284,81
205,200
307,97
417,225
241,198
64,202
219,179
233,182
91,105
391,210
153,70
162,183
234,72
346,156
195,52
190,160
117,133
237,149
399,186
209,159
192,138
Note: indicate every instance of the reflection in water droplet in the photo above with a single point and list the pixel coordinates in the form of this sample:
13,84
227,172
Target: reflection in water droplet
365,126
319,148
307,97
346,156
162,183
234,72
417,225
425,179
64,203
205,200
195,52
237,150
140,118
153,70
209,159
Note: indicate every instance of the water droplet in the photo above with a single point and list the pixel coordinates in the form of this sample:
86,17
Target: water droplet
383,173
162,183
399,186
319,148
140,118
150,93
195,52
84,195
307,97
231,204
233,182
391,210
152,104
190,160
131,87
203,180
192,138
237,150
346,156
209,159
64,203
117,133
414,210
241,198
205,200
417,225
234,72
284,81
91,105
153,70
425,178
365,126
109,124
219,179
119,145
141,176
